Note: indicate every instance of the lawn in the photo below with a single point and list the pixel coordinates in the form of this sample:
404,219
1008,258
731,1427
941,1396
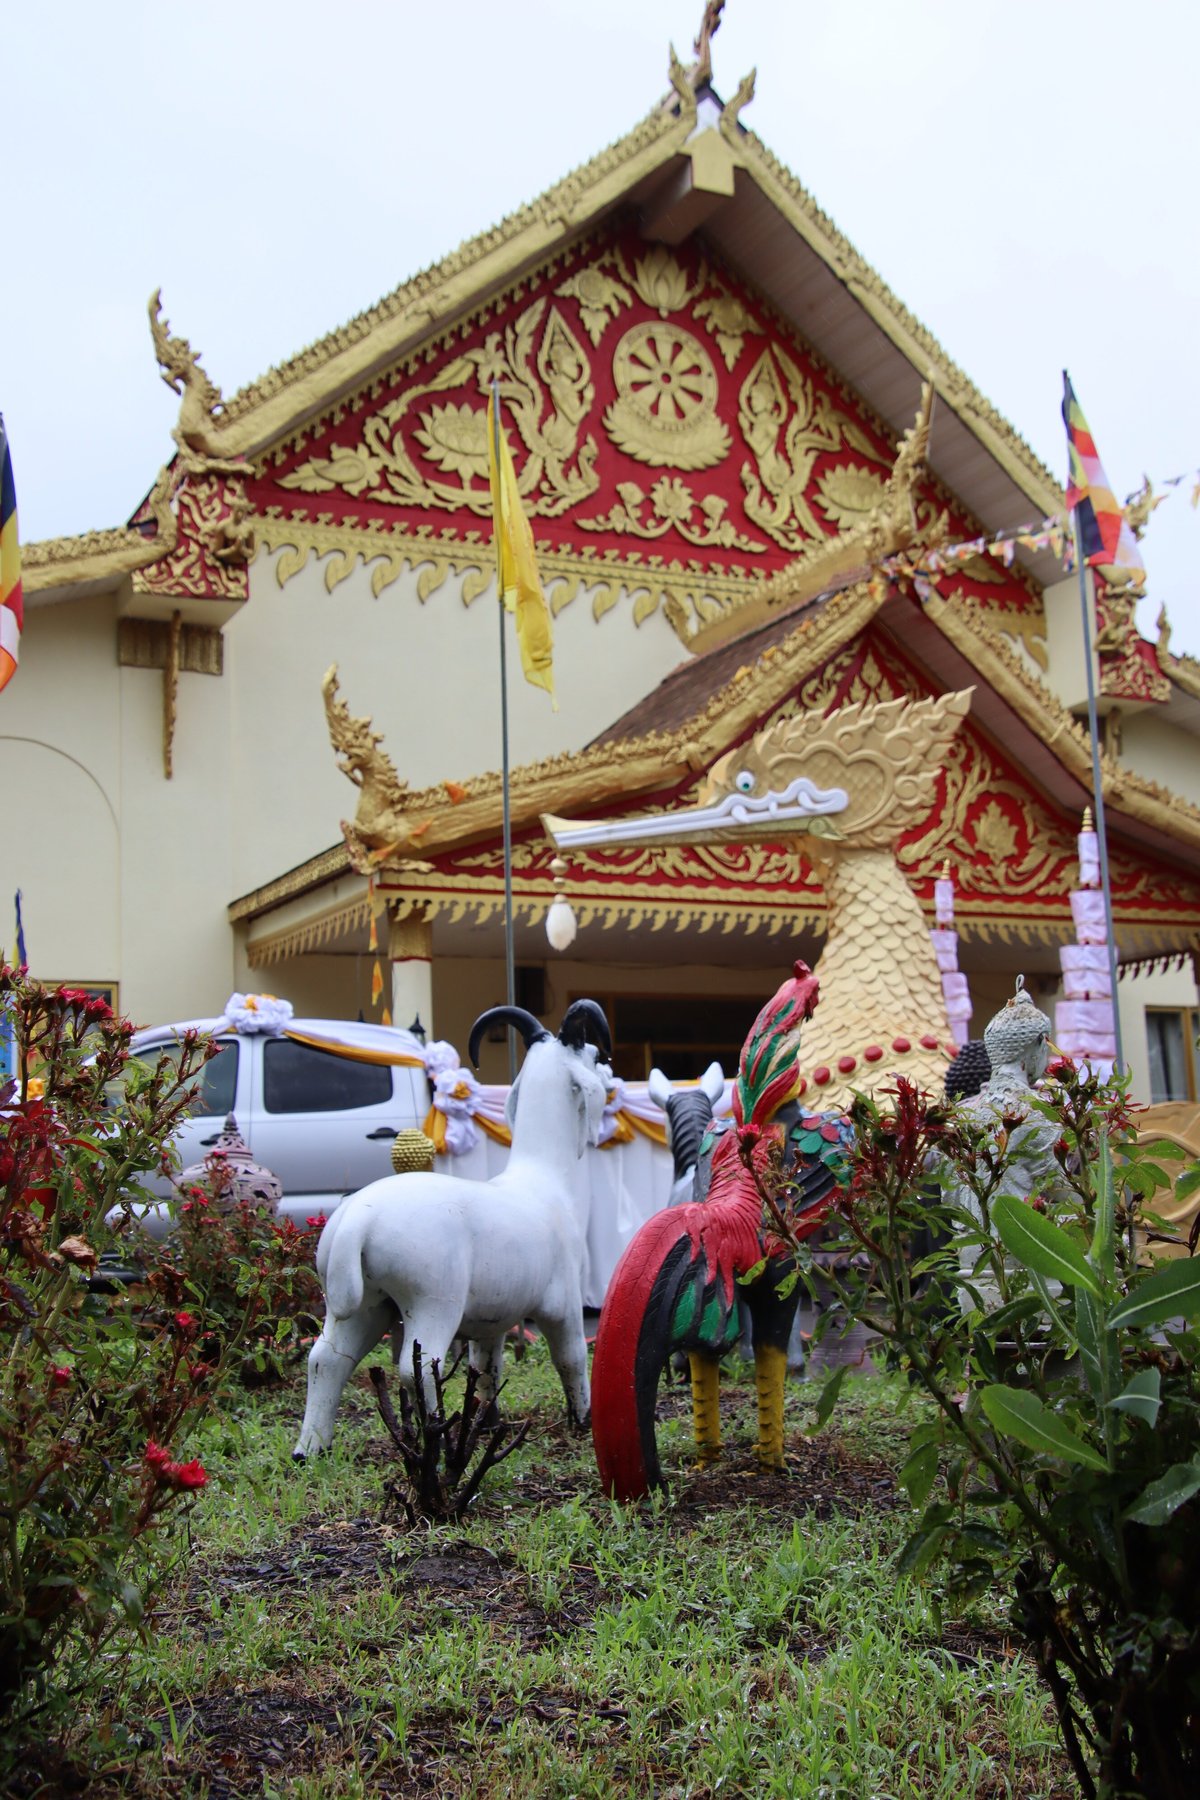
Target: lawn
741,1635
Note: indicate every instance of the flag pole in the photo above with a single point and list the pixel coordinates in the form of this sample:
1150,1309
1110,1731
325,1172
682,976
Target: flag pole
509,960
1098,784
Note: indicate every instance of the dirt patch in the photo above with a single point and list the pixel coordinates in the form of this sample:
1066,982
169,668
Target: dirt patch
821,1478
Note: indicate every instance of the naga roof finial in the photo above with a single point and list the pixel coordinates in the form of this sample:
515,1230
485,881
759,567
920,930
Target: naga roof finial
700,74
180,366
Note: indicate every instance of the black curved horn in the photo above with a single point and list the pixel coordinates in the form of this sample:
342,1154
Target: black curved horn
585,1020
532,1030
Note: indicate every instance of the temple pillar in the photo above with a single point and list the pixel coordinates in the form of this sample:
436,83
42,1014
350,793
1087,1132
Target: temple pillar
410,951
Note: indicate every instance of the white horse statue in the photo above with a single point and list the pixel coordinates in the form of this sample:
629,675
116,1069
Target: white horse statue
432,1257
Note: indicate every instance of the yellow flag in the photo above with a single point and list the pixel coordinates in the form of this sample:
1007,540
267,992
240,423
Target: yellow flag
516,567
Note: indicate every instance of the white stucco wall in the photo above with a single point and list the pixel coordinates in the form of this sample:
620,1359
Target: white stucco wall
427,674
1067,674
60,773
1172,989
1152,746
125,876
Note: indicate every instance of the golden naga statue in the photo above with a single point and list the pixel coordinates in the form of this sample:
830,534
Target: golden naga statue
379,823
890,527
844,788
180,366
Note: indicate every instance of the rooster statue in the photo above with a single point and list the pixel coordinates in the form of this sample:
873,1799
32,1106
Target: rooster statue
678,1283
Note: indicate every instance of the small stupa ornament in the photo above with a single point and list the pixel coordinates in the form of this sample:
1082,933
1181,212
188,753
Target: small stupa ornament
232,1174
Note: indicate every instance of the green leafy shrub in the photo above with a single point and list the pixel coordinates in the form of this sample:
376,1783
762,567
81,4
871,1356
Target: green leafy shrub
96,1386
249,1274
1065,1368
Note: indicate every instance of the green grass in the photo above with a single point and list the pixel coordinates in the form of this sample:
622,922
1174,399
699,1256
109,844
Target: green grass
739,1635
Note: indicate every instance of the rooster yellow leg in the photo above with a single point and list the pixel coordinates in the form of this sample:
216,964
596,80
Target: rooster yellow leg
706,1406
770,1368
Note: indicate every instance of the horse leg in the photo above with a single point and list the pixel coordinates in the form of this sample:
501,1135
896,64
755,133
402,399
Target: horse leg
568,1353
332,1360
487,1360
706,1405
431,1332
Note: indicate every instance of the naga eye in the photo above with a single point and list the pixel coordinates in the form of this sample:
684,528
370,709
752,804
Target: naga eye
744,782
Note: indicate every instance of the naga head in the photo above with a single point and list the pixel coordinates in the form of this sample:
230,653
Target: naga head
859,776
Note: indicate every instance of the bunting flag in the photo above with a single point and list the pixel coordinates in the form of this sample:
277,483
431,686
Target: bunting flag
12,611
1104,532
374,907
516,564
20,958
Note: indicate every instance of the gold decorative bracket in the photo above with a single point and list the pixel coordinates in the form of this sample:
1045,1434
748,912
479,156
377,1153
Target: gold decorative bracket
171,646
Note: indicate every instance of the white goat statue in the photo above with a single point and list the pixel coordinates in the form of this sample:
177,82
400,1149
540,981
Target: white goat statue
432,1257
689,1112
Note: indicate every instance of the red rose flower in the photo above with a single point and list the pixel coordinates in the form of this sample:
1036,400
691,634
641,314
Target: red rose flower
185,1321
60,1377
157,1458
191,1476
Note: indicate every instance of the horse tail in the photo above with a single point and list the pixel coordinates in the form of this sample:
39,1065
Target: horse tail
342,1275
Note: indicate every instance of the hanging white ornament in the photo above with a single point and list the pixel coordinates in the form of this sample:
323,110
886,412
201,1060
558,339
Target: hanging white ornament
561,924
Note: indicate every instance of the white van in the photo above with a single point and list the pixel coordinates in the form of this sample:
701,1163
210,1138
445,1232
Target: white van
322,1122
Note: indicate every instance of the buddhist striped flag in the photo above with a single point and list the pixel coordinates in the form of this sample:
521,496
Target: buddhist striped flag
12,611
1104,533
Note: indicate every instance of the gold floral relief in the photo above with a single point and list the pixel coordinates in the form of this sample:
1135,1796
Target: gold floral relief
788,423
601,297
660,282
671,505
729,322
546,390
848,495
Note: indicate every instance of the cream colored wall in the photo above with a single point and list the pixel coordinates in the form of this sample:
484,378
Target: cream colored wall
319,986
125,876
1067,673
428,676
60,773
1153,747
1171,988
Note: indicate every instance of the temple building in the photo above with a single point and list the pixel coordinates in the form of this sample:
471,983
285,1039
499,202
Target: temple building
740,455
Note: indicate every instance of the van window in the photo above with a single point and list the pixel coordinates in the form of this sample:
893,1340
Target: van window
213,1089
299,1079
217,1085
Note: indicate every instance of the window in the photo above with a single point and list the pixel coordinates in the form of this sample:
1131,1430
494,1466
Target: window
1171,1042
300,1079
214,1088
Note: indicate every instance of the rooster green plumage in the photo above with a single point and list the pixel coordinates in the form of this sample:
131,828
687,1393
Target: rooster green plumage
677,1287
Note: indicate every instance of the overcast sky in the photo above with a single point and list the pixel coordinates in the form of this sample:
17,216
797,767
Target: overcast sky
1021,172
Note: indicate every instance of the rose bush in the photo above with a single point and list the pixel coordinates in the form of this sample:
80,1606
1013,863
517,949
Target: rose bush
98,1382
249,1273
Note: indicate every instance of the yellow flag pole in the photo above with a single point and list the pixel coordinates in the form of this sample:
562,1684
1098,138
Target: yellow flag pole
509,959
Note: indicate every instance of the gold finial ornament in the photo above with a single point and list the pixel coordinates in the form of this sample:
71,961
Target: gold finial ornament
1087,820
700,73
1139,506
412,1153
